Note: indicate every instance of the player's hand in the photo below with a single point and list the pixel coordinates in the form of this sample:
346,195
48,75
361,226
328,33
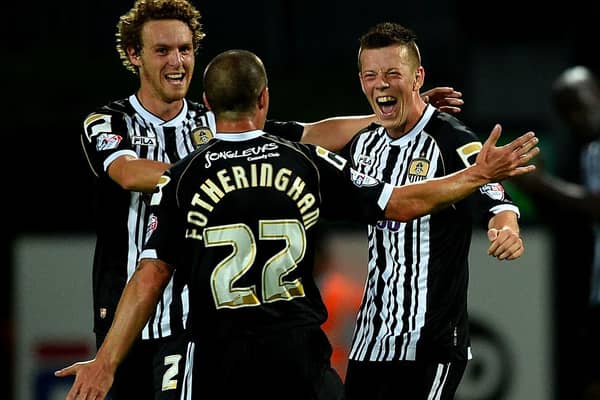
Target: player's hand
444,99
92,380
498,163
505,244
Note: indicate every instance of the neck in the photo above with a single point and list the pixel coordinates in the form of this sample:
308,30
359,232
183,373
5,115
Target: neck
162,109
236,125
413,117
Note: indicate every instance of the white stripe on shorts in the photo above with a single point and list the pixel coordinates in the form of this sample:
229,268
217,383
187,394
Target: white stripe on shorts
186,387
439,381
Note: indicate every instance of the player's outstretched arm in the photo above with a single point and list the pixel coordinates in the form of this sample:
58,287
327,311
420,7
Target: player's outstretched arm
492,164
136,174
94,378
334,133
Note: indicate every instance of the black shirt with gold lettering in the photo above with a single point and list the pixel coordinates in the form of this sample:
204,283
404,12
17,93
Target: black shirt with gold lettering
237,218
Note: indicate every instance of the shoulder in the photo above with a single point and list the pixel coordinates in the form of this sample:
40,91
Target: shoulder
455,140
106,115
449,130
373,129
373,133
197,107
307,152
283,141
120,107
446,123
116,107
290,130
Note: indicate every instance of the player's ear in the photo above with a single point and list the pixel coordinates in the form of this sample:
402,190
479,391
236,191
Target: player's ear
263,98
419,79
134,56
205,100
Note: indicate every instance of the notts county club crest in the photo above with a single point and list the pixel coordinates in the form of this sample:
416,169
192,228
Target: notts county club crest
201,135
418,169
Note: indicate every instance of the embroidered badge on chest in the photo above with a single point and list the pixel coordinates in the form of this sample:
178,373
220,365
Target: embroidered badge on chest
418,168
201,135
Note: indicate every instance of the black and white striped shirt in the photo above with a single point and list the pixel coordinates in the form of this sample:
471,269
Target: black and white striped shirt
415,297
126,127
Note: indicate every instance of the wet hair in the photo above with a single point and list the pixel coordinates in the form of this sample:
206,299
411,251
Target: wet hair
129,27
233,81
388,34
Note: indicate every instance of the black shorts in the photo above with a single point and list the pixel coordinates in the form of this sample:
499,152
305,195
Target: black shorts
151,370
293,365
415,380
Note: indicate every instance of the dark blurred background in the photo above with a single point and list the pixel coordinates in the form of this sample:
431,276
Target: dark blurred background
61,63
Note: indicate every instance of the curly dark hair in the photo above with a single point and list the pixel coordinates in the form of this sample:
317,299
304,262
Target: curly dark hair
129,27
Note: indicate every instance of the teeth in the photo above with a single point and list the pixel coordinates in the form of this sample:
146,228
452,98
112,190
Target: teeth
384,99
175,76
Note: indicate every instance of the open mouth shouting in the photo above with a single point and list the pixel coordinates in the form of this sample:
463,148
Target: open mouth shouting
386,105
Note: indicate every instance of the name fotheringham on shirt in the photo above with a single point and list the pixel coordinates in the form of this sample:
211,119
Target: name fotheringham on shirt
244,176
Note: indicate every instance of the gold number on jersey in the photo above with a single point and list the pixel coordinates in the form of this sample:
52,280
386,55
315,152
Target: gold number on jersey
242,257
168,383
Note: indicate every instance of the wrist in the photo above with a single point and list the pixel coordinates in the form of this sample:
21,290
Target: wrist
478,175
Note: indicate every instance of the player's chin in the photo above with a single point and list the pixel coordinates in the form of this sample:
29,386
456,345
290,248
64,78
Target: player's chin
178,86
177,93
387,121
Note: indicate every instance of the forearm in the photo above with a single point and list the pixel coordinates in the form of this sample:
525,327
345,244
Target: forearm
504,220
137,302
492,164
147,173
334,133
415,200
137,174
504,237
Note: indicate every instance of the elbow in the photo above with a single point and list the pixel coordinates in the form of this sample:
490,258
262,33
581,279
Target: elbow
153,275
406,214
127,184
133,183
127,181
